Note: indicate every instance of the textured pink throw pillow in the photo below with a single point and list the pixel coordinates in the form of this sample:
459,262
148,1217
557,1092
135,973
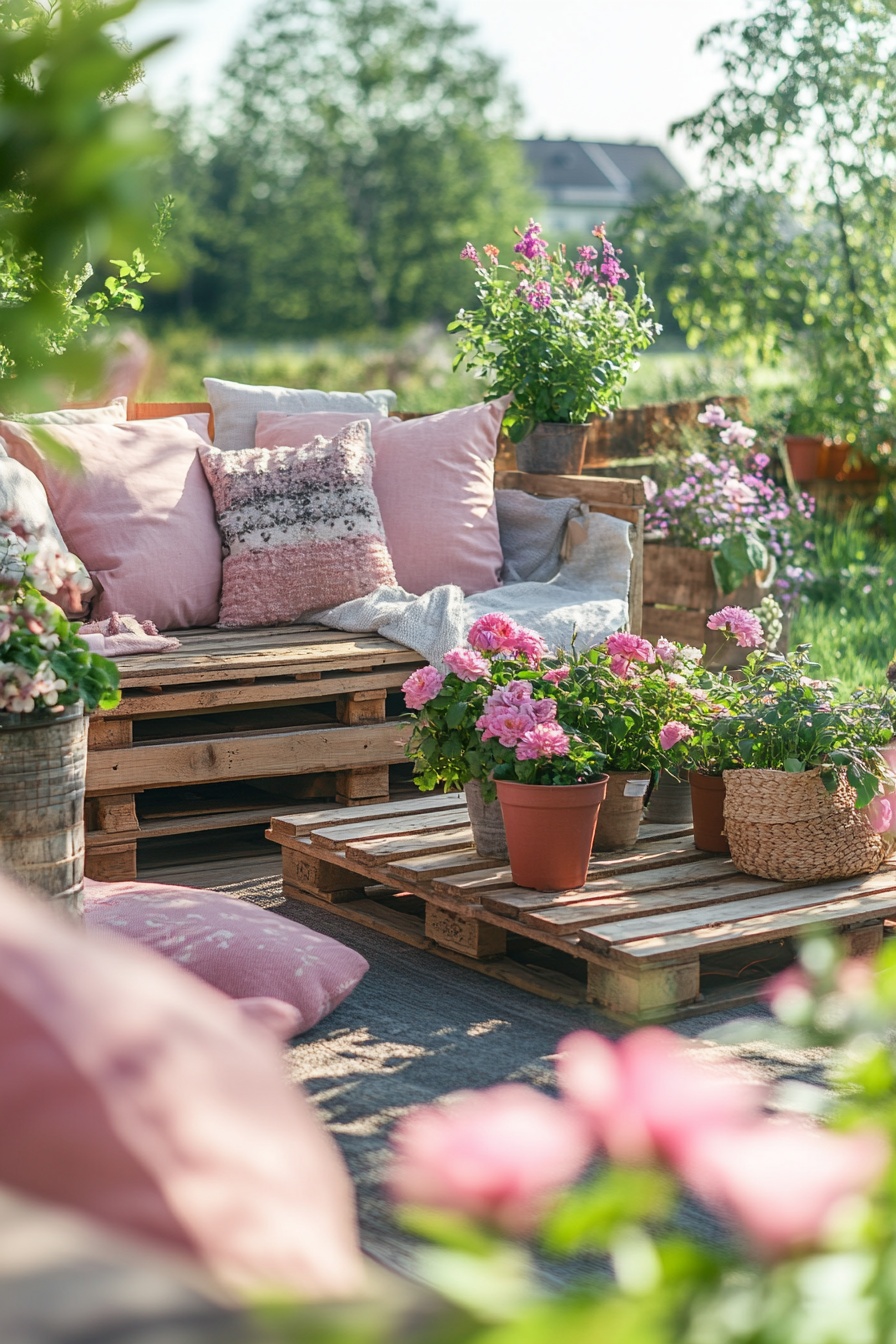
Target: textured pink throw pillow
141,517
301,527
434,479
241,949
130,1094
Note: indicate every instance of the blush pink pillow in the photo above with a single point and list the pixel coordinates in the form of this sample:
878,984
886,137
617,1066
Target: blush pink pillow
241,949
131,1094
141,517
434,479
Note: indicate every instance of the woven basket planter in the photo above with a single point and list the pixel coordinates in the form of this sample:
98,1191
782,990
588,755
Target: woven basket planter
788,827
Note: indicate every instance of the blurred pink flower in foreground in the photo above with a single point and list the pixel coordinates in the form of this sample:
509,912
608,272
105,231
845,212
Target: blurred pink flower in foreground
501,1155
782,1182
646,1097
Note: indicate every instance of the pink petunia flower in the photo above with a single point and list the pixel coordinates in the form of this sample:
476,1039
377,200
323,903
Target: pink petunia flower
466,664
631,647
743,625
502,1155
543,741
422,686
673,732
783,1182
494,633
557,674
648,1096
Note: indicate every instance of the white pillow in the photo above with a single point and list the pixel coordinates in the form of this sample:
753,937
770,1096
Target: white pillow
114,413
235,406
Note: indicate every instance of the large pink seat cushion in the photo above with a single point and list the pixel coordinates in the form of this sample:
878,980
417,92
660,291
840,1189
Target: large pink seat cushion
434,479
131,1093
239,948
141,517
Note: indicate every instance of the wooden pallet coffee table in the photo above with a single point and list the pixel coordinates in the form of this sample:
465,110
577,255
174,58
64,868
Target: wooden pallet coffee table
647,937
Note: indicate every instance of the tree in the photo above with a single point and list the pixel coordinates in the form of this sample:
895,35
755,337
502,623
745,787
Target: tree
799,236
359,144
73,153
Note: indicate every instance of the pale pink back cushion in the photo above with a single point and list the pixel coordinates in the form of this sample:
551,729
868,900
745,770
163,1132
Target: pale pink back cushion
132,1093
141,517
434,479
240,948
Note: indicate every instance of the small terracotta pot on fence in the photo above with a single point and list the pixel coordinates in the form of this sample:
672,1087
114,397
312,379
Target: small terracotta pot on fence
486,822
622,810
707,803
550,830
553,450
43,764
804,453
788,827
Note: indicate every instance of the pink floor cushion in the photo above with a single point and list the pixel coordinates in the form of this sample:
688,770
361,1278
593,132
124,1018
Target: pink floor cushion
140,516
134,1094
300,526
434,479
240,948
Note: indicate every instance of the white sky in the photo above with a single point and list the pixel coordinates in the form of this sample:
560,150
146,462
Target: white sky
596,69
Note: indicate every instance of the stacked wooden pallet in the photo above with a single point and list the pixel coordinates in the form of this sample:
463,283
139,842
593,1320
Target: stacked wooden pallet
638,939
220,732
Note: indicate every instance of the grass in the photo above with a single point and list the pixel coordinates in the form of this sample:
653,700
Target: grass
849,615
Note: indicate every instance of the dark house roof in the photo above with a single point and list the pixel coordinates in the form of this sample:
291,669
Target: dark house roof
571,171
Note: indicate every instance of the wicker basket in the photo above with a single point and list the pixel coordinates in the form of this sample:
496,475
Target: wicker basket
787,826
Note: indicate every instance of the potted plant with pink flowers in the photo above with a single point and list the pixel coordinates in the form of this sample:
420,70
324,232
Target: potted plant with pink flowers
506,721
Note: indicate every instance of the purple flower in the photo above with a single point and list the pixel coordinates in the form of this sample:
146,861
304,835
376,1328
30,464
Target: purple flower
469,253
539,295
530,244
610,269
739,434
715,416
588,253
761,461
585,270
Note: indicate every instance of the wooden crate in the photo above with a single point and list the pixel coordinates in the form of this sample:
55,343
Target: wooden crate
680,595
644,938
228,728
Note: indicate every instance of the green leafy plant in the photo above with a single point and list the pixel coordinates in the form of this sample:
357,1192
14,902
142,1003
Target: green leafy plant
561,337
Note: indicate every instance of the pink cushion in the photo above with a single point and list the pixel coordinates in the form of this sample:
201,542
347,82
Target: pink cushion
141,517
241,949
300,526
129,1093
435,482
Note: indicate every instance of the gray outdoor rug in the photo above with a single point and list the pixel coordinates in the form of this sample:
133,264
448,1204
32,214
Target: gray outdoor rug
418,1027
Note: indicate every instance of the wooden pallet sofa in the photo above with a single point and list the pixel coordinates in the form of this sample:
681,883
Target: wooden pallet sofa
236,724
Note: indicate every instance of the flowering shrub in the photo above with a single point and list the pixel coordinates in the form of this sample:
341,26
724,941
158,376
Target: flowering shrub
44,666
561,336
724,502
503,710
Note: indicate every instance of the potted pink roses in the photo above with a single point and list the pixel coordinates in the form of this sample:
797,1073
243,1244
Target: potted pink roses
504,719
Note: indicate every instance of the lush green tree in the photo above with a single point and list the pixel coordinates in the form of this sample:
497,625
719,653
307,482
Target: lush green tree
357,145
796,245
73,188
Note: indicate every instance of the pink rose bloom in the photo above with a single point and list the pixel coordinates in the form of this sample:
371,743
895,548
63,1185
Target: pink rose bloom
619,666
557,674
422,686
879,813
507,725
531,646
509,696
494,633
544,740
502,1155
715,416
783,1182
674,732
631,647
466,664
666,651
648,1096
743,625
545,711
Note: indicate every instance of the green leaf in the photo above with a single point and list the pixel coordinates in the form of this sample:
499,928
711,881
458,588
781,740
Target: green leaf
455,713
794,765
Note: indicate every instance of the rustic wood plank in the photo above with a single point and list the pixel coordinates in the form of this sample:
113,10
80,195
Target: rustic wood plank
301,751
426,867
650,990
651,831
851,900
594,490
167,669
364,785
378,853
178,701
461,934
684,874
385,829
294,824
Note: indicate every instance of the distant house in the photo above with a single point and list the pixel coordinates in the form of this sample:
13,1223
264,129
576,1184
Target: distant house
586,182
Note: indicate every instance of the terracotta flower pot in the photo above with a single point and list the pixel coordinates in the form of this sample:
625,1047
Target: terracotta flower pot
486,822
708,803
804,452
550,830
622,810
553,450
